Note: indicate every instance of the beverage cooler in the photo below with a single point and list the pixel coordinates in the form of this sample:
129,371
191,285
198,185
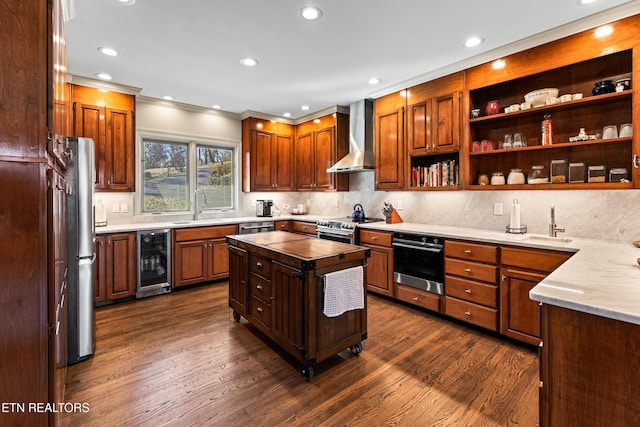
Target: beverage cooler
154,263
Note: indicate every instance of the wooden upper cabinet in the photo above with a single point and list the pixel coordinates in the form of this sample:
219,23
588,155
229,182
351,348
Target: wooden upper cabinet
112,129
268,156
319,144
446,122
389,150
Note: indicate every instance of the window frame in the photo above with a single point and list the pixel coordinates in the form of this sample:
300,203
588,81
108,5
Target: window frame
192,143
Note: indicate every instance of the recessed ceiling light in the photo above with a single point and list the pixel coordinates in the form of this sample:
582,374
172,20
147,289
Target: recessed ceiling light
103,76
168,98
108,51
304,107
603,31
287,114
374,81
498,64
216,107
587,1
127,2
310,13
473,41
249,62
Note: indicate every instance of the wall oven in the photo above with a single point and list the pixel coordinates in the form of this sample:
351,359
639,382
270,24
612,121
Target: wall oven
419,261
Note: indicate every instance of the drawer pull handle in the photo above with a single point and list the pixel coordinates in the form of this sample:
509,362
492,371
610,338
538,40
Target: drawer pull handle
259,264
468,251
260,310
415,298
467,313
259,287
468,291
468,270
374,238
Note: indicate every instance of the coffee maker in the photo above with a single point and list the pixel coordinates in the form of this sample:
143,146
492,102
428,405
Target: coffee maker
263,207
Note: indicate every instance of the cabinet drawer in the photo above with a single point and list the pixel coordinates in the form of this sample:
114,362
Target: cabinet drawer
260,265
281,225
472,313
539,260
261,311
260,288
415,296
197,233
471,270
480,293
379,238
303,227
471,251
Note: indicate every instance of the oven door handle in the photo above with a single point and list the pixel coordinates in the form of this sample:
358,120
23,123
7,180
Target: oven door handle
420,248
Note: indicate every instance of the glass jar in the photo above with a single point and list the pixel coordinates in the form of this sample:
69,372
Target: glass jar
597,173
497,178
559,171
618,175
483,179
516,176
576,172
538,175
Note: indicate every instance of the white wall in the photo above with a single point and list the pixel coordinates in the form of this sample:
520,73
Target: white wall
599,214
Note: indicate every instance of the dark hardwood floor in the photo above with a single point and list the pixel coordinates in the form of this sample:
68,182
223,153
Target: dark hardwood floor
180,360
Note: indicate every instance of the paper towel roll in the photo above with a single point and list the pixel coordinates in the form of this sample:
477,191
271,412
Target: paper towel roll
100,215
515,215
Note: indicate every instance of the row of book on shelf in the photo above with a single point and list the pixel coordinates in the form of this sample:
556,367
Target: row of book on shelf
442,174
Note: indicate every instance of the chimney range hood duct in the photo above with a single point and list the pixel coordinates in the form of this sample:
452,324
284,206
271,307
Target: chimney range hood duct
360,157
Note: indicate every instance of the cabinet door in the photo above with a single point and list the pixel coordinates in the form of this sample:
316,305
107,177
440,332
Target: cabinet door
89,123
283,163
305,165
100,284
389,150
287,321
119,150
520,316
121,266
238,271
219,253
418,127
380,270
325,157
191,262
261,164
446,122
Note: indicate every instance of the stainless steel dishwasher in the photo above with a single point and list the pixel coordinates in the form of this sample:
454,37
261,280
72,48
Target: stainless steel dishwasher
255,227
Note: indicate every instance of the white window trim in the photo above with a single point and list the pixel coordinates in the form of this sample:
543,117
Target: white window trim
193,141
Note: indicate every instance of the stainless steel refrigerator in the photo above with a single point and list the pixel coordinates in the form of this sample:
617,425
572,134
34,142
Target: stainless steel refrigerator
81,250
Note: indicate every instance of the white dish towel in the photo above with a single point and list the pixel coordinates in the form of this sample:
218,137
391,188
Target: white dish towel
343,291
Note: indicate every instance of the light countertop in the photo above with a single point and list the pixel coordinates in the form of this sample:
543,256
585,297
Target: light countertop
601,278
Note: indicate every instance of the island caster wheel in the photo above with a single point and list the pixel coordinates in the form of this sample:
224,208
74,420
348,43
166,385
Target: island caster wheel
236,316
307,372
356,349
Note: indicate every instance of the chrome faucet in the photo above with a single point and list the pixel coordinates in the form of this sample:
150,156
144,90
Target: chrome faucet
553,228
195,204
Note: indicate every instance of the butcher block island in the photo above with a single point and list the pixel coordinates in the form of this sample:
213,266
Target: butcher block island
306,294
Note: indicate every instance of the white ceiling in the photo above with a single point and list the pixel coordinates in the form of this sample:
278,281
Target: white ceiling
191,49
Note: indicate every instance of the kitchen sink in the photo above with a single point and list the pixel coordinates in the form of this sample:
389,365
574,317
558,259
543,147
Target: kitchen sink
547,239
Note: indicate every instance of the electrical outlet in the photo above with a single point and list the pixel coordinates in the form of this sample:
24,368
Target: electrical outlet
497,208
336,203
399,205
115,208
124,208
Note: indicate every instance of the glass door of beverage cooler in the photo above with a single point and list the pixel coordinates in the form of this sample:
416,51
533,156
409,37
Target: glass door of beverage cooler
154,263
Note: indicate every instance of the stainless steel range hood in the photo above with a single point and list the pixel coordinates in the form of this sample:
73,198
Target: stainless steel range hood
360,157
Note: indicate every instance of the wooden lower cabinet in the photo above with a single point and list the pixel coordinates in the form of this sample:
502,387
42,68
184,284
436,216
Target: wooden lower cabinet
380,264
418,297
238,271
589,370
201,254
116,266
282,225
471,285
522,269
306,228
